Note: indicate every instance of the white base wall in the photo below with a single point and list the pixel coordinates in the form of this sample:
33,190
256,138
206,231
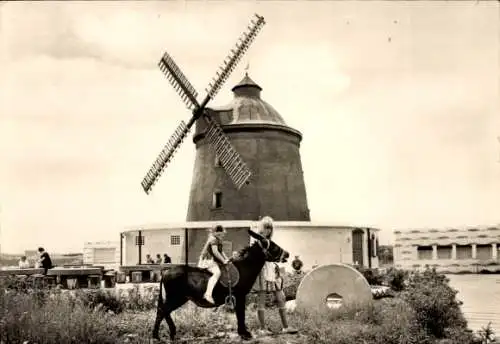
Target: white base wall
315,244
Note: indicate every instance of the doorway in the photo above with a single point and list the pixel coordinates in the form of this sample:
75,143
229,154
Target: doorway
357,246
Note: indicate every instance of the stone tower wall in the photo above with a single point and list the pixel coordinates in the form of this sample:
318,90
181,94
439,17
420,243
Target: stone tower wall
277,185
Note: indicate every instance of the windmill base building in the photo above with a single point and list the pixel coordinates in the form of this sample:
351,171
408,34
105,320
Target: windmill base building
271,150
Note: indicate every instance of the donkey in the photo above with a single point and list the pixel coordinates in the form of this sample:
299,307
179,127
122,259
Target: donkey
183,283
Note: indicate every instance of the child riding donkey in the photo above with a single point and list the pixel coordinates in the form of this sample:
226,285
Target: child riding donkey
212,257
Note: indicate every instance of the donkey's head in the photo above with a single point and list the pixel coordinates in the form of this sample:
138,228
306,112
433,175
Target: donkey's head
272,252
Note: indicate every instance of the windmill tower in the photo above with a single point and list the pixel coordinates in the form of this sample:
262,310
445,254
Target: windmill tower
269,147
246,143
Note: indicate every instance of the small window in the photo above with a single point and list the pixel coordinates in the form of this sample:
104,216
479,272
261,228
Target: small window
140,240
217,201
175,240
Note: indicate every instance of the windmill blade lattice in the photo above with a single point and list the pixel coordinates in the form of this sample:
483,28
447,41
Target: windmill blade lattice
179,81
234,56
165,156
231,161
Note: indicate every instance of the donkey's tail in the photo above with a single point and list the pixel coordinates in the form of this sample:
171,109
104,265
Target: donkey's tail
163,292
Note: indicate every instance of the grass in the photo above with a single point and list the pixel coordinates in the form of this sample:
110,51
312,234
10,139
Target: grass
52,316
57,320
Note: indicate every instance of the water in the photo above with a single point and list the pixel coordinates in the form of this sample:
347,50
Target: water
480,295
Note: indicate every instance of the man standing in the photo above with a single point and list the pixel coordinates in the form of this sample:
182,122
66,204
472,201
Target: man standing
166,259
45,261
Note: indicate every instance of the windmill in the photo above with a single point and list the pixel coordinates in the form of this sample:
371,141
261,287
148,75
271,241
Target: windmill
229,158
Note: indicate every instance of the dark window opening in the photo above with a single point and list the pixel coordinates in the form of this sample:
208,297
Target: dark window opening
217,200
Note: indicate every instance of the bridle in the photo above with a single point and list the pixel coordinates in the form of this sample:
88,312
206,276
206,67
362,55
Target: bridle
266,249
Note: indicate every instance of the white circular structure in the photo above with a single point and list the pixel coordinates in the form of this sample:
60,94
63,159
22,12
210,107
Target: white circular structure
315,243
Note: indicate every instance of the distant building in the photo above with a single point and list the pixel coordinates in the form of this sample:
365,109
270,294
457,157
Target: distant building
102,253
470,249
31,255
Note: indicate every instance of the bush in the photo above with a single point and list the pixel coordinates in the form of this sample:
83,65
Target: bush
435,304
133,300
388,321
373,277
104,299
291,282
396,278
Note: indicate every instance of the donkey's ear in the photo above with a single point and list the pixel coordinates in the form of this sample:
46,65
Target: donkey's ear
256,235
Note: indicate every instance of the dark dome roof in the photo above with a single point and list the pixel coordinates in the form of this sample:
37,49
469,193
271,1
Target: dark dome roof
248,107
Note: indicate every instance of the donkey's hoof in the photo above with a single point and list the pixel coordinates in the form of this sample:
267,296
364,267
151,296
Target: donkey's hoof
246,335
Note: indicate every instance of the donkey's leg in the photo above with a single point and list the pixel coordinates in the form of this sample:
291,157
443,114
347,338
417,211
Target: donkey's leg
176,301
167,303
240,316
162,299
159,318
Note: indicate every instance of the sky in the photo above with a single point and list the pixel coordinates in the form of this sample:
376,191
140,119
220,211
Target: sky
398,104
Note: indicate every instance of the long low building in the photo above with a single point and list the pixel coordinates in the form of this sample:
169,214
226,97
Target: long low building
469,249
102,253
314,243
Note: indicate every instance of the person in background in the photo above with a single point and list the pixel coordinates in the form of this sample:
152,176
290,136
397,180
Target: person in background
297,265
23,263
149,260
270,281
158,259
45,261
166,259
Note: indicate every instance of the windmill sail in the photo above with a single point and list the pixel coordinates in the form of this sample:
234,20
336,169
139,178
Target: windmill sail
165,156
230,160
179,81
234,56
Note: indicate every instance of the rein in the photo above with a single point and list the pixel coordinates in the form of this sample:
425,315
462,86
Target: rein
230,300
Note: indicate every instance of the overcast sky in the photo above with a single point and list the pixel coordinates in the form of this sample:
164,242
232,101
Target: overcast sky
398,103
